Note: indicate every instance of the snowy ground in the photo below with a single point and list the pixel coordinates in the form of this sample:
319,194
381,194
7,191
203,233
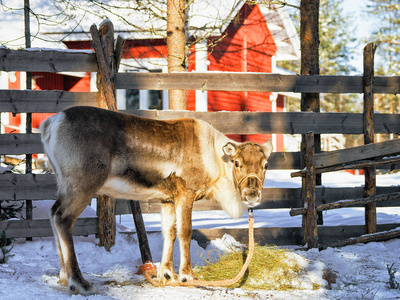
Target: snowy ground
32,270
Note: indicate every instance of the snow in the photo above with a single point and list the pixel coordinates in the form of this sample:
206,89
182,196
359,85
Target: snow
31,271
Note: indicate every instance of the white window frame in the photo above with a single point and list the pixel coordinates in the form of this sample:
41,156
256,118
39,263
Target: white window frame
128,65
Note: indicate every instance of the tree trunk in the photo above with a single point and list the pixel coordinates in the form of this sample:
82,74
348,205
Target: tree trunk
176,42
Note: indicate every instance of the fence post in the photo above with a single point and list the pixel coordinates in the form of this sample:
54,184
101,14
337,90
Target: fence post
108,60
368,119
28,157
309,39
103,43
311,217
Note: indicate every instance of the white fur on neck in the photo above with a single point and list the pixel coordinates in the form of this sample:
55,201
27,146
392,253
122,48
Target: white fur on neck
226,194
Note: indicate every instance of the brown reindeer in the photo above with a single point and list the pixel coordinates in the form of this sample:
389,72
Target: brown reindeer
95,151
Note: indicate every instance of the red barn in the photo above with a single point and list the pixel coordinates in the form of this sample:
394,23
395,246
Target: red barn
253,39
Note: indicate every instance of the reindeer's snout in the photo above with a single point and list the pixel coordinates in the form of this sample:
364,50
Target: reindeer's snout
251,197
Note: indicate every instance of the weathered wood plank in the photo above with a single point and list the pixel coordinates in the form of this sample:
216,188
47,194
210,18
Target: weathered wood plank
277,198
348,203
330,234
229,81
337,157
236,123
16,143
377,162
285,122
281,236
42,228
47,61
367,238
386,85
44,187
263,122
23,101
271,235
28,186
261,82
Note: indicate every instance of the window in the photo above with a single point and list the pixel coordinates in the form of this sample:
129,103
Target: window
144,99
155,100
132,99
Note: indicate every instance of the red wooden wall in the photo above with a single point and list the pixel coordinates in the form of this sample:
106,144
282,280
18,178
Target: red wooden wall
247,47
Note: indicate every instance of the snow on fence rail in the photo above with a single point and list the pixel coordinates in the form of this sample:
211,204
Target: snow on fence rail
43,186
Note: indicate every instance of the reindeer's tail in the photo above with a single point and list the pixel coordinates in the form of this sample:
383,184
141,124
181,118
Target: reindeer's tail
49,126
48,130
45,130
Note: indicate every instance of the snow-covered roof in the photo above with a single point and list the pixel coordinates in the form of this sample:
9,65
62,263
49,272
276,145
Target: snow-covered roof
282,28
133,20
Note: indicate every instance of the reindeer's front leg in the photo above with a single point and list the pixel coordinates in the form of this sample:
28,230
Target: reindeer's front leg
166,272
184,223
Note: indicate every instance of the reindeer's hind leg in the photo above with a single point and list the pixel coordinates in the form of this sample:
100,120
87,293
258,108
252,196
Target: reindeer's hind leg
63,275
63,215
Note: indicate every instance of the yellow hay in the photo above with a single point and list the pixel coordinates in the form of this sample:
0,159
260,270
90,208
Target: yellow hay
271,268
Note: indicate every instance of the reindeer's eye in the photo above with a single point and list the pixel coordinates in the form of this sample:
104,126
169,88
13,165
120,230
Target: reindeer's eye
237,165
266,166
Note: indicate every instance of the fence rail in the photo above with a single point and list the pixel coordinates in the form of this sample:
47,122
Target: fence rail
39,60
254,82
232,123
18,101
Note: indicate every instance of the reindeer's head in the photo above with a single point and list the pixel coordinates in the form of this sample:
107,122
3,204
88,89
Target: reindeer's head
250,162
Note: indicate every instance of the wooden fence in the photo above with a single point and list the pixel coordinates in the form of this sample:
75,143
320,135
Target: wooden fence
16,187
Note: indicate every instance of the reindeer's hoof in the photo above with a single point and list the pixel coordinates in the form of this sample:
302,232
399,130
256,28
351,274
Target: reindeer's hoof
167,276
185,277
83,288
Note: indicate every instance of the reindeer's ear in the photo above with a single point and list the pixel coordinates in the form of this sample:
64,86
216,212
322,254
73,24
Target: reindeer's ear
230,149
268,148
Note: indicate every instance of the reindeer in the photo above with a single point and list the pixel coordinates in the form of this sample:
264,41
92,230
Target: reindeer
95,151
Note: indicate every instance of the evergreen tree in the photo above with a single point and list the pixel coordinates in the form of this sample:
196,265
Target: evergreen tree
387,16
337,44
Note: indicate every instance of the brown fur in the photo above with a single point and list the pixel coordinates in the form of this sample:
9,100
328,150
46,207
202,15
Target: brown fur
94,151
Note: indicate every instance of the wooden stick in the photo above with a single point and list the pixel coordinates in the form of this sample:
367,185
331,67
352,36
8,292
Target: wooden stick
355,165
374,237
141,232
347,203
119,50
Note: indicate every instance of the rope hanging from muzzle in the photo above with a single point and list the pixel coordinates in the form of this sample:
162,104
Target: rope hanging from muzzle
226,282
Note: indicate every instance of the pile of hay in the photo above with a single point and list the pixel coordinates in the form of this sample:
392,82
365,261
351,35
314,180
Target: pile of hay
271,268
